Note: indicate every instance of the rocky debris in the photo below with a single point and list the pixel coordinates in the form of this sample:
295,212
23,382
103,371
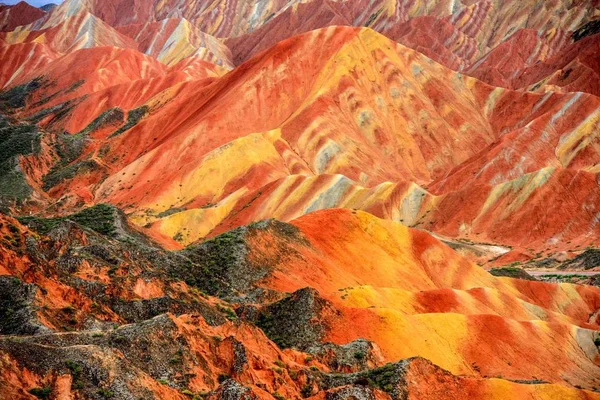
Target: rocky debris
390,378
350,392
97,371
18,313
139,310
232,390
357,355
99,241
295,321
16,139
240,357
154,348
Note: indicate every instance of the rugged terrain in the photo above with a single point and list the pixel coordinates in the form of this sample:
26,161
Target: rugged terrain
294,199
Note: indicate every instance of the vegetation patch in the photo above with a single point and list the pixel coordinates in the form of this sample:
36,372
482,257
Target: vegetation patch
76,371
170,211
591,28
107,118
293,321
41,392
100,218
70,147
219,264
13,185
57,109
17,311
389,378
589,259
18,95
46,99
15,140
60,174
133,118
512,272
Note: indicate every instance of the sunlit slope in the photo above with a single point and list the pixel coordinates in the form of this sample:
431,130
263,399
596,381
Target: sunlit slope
364,107
374,112
363,123
21,58
21,13
218,18
173,39
414,296
77,31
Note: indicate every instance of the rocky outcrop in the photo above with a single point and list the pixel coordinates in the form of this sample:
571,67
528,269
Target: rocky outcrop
18,311
295,321
588,259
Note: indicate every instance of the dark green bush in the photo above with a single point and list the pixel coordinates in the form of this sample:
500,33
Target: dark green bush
41,393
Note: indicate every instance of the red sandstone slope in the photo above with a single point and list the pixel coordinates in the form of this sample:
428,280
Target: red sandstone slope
19,14
532,52
107,313
374,280
136,106
388,283
412,120
19,59
77,31
171,40
220,18
452,34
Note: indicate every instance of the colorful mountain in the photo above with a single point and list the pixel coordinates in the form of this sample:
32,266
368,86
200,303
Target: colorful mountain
331,200
19,14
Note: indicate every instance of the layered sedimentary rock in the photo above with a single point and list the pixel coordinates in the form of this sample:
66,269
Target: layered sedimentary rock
366,124
91,298
19,14
173,40
219,200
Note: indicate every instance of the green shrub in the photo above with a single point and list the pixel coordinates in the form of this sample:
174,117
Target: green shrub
105,393
41,393
229,313
99,218
16,96
76,371
60,173
278,396
306,390
133,118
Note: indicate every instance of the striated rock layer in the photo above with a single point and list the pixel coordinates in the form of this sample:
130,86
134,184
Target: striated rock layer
290,199
362,113
92,307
